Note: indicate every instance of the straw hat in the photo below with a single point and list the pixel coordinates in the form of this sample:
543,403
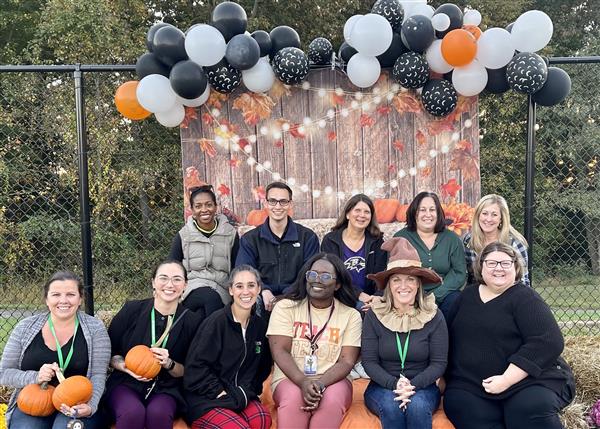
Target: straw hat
403,259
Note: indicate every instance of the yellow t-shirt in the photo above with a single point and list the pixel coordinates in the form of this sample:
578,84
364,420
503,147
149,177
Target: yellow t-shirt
290,319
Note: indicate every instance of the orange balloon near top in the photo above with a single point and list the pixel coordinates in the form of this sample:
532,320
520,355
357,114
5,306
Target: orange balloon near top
127,103
474,30
459,47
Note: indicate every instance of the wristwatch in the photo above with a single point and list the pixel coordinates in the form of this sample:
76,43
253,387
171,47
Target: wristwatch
171,365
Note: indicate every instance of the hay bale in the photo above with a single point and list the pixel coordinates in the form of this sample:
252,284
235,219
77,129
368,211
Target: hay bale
105,316
5,392
573,415
581,353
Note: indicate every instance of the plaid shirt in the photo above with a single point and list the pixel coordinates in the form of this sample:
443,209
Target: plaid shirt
471,257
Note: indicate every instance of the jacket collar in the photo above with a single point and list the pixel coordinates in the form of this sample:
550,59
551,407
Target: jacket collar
290,234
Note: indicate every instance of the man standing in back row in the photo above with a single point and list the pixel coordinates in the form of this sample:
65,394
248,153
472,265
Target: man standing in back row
279,247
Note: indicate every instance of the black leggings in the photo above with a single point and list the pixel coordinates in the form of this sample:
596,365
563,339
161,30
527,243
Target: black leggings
203,300
534,407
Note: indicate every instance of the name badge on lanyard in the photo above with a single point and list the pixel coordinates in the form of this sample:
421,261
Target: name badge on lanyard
311,364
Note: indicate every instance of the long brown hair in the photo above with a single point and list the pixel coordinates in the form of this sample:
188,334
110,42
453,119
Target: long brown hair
342,221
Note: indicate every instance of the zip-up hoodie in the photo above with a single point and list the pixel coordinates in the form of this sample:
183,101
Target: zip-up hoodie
220,360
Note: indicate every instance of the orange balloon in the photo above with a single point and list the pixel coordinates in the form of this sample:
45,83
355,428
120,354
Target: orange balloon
459,47
127,103
474,30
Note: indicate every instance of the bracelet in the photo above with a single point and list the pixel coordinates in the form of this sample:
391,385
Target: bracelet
322,386
171,365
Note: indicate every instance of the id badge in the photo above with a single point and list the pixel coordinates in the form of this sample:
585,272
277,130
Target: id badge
310,365
75,424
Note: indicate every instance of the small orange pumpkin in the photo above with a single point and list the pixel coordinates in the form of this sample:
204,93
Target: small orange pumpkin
385,210
142,362
72,391
401,212
257,217
36,400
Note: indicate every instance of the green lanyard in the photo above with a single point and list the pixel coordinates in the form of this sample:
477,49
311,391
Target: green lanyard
153,326
402,351
63,363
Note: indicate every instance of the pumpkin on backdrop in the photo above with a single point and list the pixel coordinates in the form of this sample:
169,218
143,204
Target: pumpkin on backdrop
36,400
258,216
401,213
142,362
72,391
385,209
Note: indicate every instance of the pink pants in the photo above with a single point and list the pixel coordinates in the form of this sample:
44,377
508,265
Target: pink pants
330,413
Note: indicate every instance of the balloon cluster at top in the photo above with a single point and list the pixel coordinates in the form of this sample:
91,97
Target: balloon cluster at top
443,51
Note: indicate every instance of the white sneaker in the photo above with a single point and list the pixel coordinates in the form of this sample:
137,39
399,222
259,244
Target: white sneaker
360,370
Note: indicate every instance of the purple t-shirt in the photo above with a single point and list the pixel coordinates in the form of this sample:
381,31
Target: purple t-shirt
355,264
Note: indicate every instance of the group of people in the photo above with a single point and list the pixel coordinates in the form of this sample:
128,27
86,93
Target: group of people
422,311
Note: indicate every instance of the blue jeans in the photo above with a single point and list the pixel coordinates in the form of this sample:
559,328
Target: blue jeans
446,305
20,420
418,413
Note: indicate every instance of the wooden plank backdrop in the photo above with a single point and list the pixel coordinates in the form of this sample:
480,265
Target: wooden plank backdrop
329,139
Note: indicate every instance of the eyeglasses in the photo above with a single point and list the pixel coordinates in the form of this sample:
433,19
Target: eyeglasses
284,202
493,264
164,280
313,276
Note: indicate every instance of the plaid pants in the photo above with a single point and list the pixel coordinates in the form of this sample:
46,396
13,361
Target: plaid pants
254,416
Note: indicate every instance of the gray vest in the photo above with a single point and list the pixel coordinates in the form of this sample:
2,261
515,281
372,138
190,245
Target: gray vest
208,260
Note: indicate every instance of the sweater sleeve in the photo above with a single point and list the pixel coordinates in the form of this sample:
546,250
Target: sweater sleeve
455,278
438,354
176,253
10,372
100,358
235,250
370,354
542,340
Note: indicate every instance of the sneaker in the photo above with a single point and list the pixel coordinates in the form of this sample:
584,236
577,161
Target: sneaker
360,370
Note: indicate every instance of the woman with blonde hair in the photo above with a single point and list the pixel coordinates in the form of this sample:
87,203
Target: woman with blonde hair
491,222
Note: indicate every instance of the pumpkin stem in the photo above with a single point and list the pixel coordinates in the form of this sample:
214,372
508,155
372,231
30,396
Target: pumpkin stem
60,376
164,334
44,385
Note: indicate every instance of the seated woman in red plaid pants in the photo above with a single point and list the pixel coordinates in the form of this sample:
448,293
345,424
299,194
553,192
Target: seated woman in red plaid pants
228,362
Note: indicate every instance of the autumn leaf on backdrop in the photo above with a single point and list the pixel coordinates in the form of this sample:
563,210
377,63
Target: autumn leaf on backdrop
438,126
337,100
207,118
192,179
223,190
233,219
297,131
254,107
366,120
460,214
207,147
426,172
234,163
464,160
242,143
450,188
398,145
331,136
190,115
391,168
279,90
464,144
259,194
421,139
406,102
384,109
278,143
224,131
216,100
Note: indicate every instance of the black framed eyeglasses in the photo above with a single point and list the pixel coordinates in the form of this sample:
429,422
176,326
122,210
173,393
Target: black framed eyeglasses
490,263
313,276
284,202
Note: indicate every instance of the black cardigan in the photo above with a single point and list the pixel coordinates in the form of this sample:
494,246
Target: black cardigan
221,360
131,327
376,259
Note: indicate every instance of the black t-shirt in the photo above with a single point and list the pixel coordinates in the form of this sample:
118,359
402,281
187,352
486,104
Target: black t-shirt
38,354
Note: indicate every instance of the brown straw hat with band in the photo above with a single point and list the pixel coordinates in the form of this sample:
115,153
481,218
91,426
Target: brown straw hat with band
403,259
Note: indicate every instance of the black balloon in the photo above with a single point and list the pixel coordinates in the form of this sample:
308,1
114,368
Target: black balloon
391,10
526,72
397,48
148,64
222,77
418,33
151,32
169,45
188,79
284,37
497,82
439,97
242,52
411,70
290,65
320,50
230,19
455,15
346,52
264,42
556,88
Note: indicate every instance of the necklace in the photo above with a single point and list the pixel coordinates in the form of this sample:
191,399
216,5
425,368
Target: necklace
204,230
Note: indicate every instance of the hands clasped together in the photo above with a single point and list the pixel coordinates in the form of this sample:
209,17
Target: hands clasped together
312,392
404,390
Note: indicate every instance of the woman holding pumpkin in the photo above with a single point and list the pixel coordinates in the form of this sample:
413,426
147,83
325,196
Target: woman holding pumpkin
57,342
207,246
144,390
229,360
439,248
356,239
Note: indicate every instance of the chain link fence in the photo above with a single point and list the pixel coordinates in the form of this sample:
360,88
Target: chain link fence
136,191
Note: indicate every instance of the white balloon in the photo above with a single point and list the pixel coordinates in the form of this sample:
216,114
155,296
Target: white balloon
435,59
472,17
348,26
372,35
408,7
259,78
171,118
422,9
363,71
470,79
495,48
440,21
155,94
196,101
205,45
532,31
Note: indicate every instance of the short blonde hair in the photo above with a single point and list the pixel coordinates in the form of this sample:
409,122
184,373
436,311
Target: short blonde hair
420,302
497,246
